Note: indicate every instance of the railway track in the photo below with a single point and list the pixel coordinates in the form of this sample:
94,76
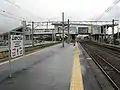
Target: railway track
109,50
111,56
110,71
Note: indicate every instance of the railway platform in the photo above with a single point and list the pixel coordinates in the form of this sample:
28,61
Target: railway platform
54,68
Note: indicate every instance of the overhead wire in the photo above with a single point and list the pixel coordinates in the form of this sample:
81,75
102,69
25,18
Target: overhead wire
18,6
109,8
10,15
13,3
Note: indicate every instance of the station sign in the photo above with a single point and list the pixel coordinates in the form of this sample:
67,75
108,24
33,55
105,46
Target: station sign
16,45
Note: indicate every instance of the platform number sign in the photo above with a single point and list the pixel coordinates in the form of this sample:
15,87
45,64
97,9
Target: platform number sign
16,45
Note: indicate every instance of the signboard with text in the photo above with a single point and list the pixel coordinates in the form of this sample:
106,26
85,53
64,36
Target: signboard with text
16,45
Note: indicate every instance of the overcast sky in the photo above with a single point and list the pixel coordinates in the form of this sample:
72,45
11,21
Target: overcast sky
51,10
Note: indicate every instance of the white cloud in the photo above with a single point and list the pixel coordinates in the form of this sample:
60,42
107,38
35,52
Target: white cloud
52,9
114,13
77,9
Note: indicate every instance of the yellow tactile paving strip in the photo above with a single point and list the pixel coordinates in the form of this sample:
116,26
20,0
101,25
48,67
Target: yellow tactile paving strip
76,79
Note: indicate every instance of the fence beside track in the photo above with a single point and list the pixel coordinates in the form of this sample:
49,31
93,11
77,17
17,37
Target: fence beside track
4,54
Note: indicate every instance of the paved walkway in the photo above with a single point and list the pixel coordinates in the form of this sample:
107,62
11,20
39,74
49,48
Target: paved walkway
53,68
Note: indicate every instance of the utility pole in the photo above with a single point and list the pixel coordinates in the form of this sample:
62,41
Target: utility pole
91,32
47,25
63,29
105,31
113,31
23,30
100,34
52,35
118,31
9,46
32,34
55,35
68,32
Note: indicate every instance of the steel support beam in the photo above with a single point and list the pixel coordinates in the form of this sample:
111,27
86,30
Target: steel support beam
9,55
23,30
105,31
118,31
63,29
32,34
68,32
113,31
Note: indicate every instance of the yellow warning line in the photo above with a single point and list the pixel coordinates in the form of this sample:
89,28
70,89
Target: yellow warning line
21,57
76,79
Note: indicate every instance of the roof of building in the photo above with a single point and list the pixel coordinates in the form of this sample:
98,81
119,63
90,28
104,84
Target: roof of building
15,29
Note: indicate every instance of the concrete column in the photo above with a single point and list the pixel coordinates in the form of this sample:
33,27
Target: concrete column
68,32
99,35
113,31
63,29
91,31
32,33
9,46
118,31
105,31
24,38
54,35
102,34
29,37
55,31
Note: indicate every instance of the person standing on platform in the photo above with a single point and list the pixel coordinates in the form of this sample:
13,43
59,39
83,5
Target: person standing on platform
74,42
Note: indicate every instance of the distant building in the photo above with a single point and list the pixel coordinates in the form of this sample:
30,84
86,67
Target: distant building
83,30
37,33
4,36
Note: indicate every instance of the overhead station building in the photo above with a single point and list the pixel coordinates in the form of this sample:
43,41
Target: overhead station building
83,30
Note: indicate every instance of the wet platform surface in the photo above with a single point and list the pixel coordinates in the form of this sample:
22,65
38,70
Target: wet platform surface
89,80
52,70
